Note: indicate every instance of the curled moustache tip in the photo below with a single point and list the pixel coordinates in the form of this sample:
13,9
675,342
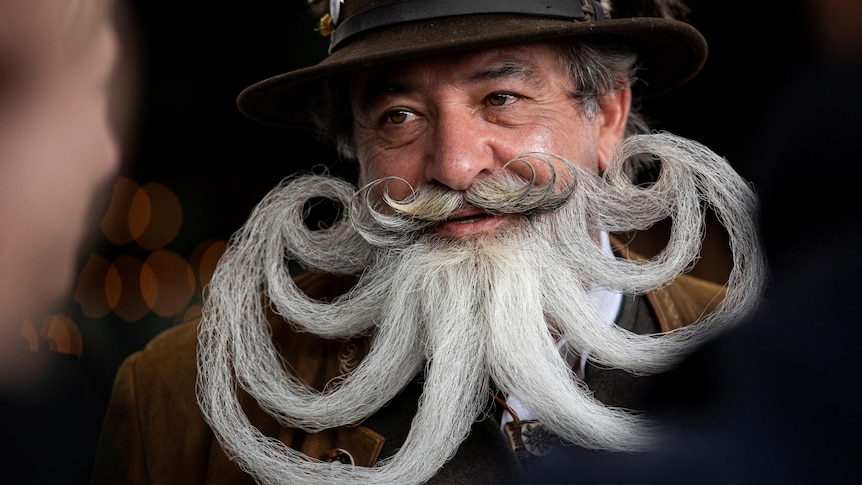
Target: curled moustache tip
404,204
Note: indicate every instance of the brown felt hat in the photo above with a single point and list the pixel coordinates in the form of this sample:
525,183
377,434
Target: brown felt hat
373,32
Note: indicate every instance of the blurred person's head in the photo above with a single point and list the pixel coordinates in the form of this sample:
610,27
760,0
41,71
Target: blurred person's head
59,150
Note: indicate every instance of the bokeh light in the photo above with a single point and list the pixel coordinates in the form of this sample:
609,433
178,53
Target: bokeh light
29,333
115,223
167,283
131,305
160,281
205,257
155,216
91,292
62,334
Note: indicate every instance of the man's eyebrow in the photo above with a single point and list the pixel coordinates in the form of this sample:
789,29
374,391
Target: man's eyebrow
506,70
384,84
380,86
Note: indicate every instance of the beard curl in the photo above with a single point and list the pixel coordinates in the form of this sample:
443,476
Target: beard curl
693,178
465,312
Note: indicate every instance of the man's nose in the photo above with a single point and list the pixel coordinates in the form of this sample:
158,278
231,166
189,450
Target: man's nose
461,151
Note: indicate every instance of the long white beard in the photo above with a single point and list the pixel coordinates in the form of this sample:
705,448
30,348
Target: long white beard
468,312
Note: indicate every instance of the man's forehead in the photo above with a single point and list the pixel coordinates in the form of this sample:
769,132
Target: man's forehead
480,65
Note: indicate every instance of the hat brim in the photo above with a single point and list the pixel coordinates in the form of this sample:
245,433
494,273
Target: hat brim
672,52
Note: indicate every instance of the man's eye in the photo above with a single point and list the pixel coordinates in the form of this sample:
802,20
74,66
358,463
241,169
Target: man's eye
501,99
397,117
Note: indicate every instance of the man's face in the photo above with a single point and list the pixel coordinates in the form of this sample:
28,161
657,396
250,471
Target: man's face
452,120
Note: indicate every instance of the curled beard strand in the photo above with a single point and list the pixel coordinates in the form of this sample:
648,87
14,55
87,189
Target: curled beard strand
697,172
336,249
456,381
234,308
456,377
524,360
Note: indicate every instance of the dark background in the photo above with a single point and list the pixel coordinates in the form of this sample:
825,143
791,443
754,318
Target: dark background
195,57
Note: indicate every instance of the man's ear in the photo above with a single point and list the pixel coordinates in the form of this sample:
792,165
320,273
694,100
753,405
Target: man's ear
612,118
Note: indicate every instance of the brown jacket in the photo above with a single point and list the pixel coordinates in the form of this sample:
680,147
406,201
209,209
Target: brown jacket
154,432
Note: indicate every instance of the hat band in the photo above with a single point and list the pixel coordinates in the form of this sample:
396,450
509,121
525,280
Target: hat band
409,11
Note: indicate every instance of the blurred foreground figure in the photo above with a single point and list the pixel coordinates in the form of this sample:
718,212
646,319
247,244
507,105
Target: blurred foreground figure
59,156
59,153
473,310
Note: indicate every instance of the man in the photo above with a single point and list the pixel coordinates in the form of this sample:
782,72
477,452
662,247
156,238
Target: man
461,317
